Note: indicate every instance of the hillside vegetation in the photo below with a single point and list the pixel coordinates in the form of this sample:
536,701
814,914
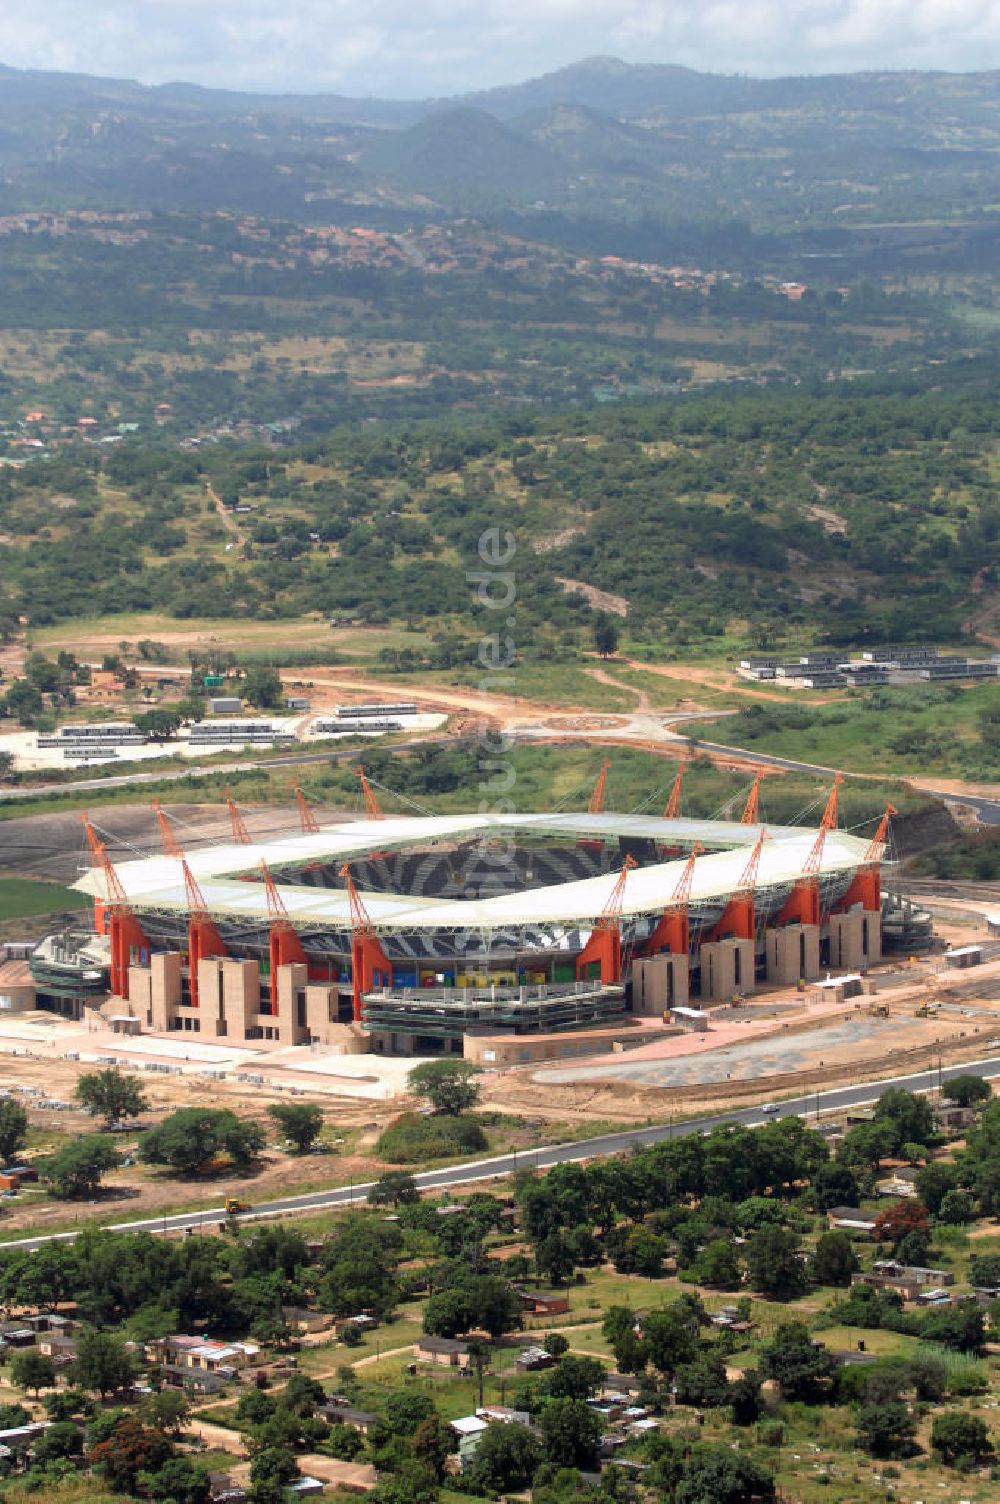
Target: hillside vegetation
759,520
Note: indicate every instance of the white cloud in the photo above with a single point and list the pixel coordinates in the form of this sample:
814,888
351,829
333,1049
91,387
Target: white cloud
412,48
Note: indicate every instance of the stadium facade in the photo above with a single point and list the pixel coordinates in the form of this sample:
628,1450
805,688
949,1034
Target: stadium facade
433,935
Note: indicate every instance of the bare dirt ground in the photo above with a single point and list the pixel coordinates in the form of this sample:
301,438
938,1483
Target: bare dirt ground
139,1191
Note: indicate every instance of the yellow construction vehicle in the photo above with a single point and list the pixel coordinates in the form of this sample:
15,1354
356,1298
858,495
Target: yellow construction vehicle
234,1206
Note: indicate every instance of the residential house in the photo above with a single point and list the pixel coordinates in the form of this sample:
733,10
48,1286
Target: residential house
530,1359
198,1380
304,1319
449,1352
542,1305
202,1355
851,1219
16,1334
58,1346
337,1412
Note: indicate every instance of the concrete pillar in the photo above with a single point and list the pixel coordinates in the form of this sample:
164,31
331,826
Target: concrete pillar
291,1021
792,952
659,983
165,988
727,967
140,993
871,935
847,941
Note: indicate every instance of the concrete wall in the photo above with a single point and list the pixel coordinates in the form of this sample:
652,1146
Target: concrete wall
229,997
659,984
727,967
791,953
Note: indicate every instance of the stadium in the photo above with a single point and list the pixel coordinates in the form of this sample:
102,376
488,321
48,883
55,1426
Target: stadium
440,934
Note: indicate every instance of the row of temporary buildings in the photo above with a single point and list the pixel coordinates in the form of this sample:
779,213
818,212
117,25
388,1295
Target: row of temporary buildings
827,668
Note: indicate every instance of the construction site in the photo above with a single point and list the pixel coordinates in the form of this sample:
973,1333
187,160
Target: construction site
503,938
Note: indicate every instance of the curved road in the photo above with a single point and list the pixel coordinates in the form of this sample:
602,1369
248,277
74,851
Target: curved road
548,1155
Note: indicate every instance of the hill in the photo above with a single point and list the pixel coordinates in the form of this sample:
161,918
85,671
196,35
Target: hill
779,152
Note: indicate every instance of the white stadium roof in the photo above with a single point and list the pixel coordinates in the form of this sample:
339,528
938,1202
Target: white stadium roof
157,883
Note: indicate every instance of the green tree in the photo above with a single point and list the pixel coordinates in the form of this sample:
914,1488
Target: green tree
62,1439
669,1337
834,1185
13,1128
159,723
302,1122
191,1138
103,1363
718,1265
911,1116
934,1181
773,1263
506,1459
167,1410
32,1370
605,634
447,1084
433,1444
571,1433
262,688
405,1409
834,1260
867,1144
717,1475
959,1437
76,1169
178,1481
803,1368
110,1095
887,1429
573,1378
966,1090
957,1207
394,1188
554,1258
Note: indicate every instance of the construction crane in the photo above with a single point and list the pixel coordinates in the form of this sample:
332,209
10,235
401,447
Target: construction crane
802,906
284,946
596,805
307,820
673,808
122,927
96,861
673,805
866,885
370,966
171,846
751,810
204,939
241,836
605,943
672,932
375,811
739,916
829,820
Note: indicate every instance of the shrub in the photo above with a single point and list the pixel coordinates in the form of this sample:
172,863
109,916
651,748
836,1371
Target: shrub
412,1138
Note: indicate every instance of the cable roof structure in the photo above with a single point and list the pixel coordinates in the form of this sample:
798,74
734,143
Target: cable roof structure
155,884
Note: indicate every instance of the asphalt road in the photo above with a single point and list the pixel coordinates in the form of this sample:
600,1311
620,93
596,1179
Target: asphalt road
551,1154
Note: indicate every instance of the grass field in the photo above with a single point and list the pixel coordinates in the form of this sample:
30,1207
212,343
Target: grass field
92,637
912,731
22,897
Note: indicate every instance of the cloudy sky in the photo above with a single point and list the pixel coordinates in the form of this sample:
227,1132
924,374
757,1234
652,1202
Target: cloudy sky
412,48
